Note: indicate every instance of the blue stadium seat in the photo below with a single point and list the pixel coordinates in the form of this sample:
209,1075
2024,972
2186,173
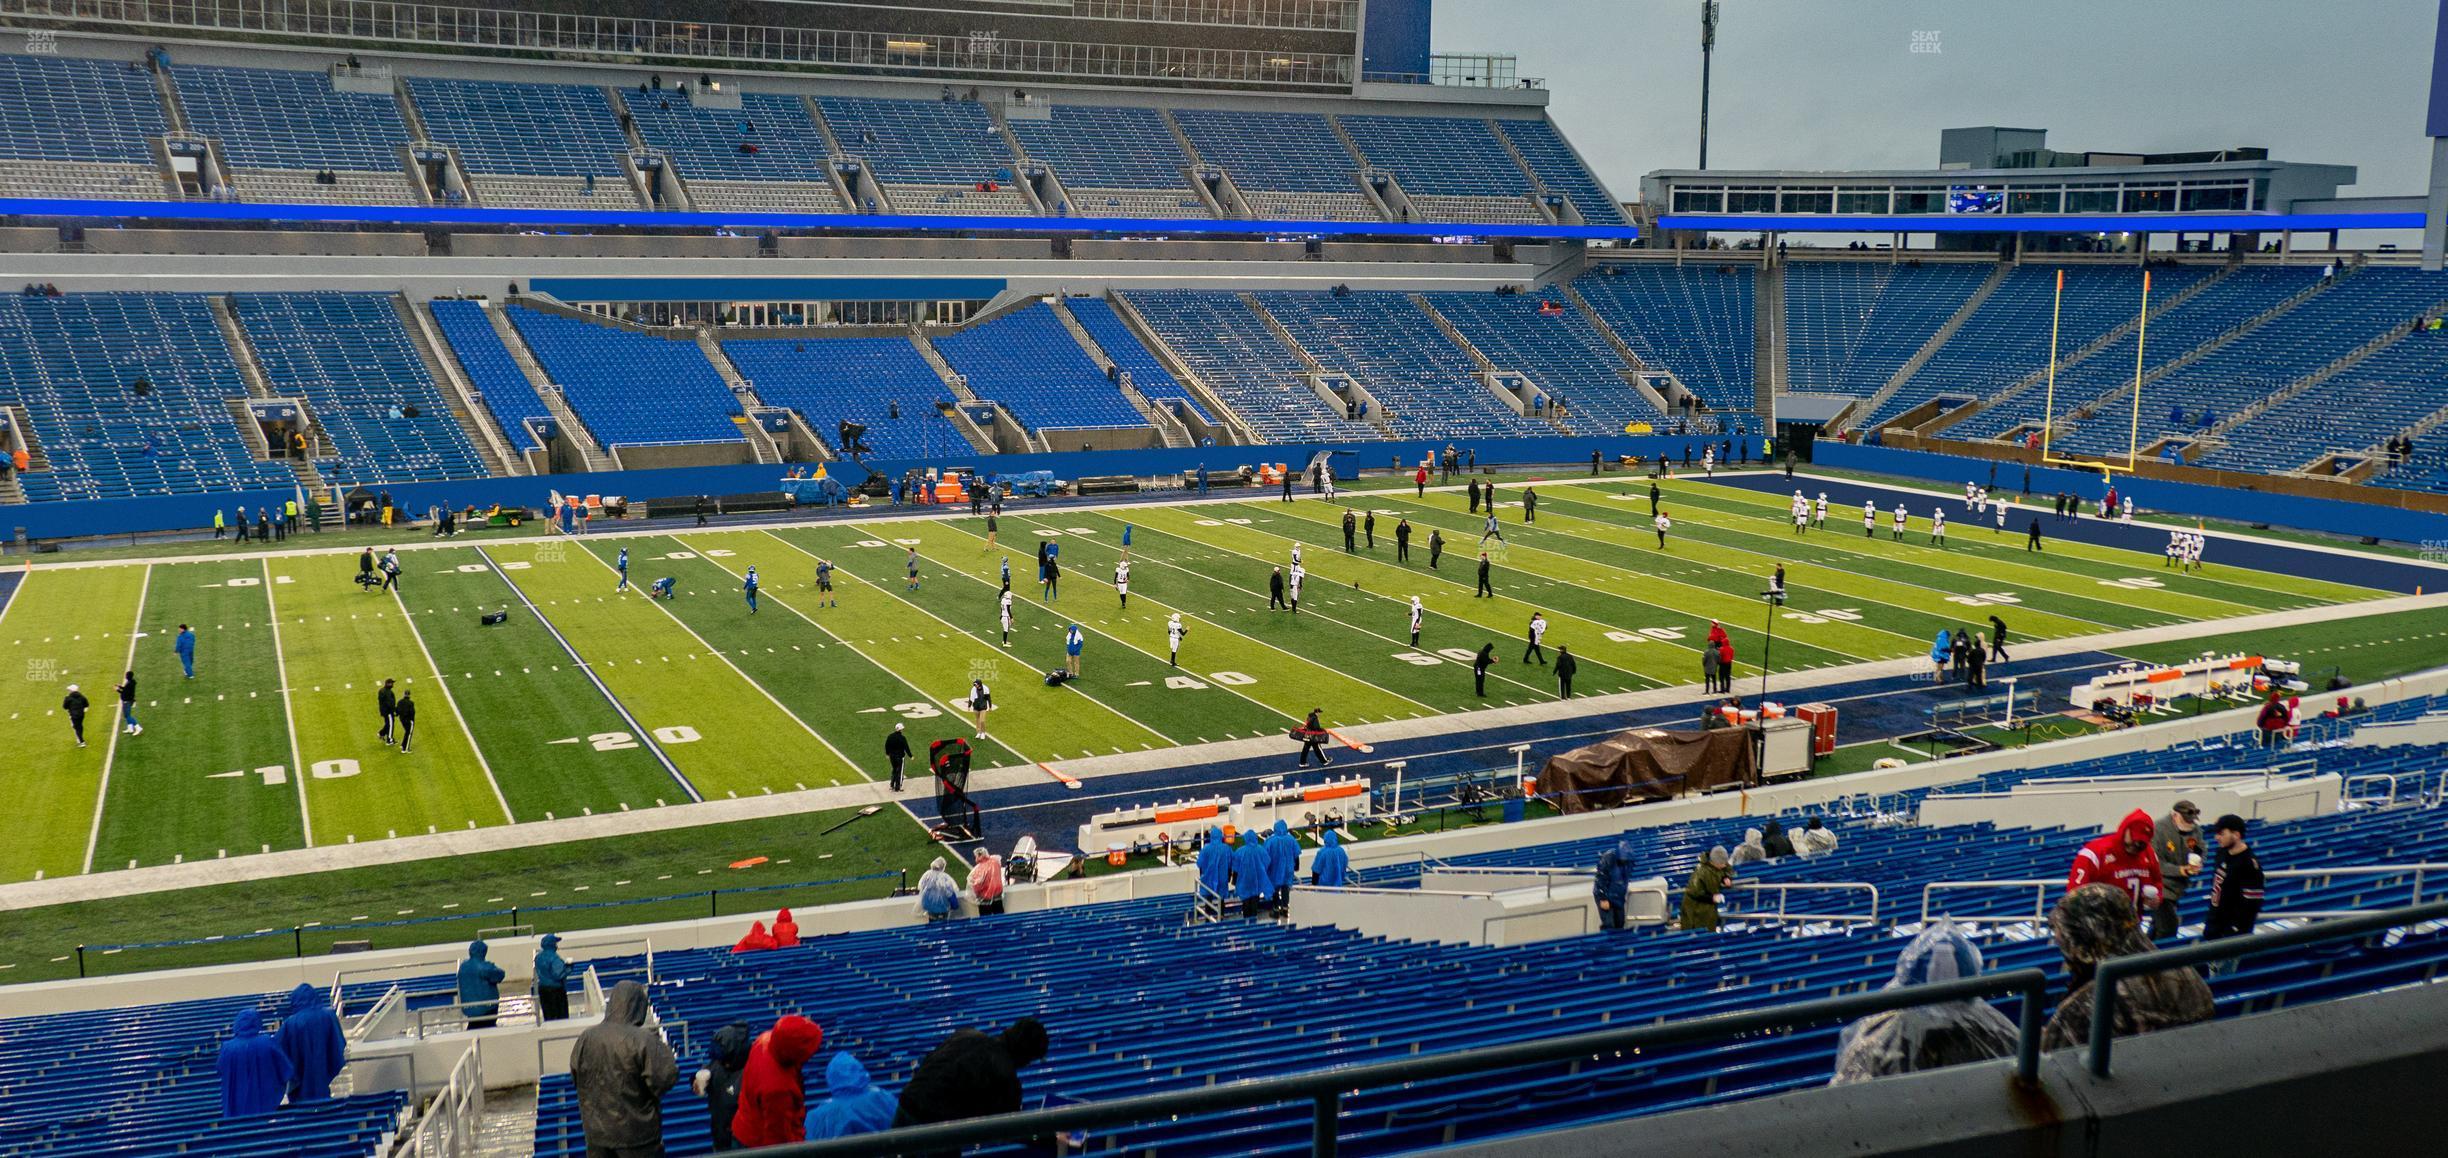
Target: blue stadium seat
1290,166
1028,362
862,380
72,360
1695,320
1556,166
1453,168
1430,387
64,108
706,143
268,119
631,388
1559,348
1113,336
1850,325
491,371
1126,984
1112,161
2173,333
549,130
349,356
1237,356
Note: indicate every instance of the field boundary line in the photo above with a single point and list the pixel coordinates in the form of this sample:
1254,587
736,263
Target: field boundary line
110,751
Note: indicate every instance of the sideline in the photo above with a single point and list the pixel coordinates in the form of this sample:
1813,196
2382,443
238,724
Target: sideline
531,834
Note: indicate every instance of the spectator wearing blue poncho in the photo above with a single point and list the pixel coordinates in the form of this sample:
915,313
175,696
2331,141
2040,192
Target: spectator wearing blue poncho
1283,863
551,979
311,1039
479,987
254,1075
1942,652
1215,863
1253,876
1614,877
1331,867
856,1107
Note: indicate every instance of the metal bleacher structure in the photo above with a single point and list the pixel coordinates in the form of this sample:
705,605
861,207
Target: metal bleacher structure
1125,986
348,357
882,383
79,128
290,137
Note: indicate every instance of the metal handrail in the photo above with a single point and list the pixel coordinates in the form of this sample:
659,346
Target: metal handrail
2420,870
2368,777
1784,891
1326,1089
2115,969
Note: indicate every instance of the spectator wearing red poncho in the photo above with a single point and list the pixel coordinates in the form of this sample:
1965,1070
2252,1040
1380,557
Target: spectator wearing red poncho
773,1088
756,940
785,930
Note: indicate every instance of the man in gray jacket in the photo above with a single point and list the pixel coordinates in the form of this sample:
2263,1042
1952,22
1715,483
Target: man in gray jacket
620,1069
2178,841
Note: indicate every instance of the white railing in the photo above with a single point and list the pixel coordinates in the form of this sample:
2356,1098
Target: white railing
2420,872
1784,913
448,1127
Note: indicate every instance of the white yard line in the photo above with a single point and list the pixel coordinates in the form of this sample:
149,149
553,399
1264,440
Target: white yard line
280,662
879,589
443,683
110,748
726,662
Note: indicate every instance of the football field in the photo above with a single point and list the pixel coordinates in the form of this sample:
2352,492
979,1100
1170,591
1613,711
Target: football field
591,699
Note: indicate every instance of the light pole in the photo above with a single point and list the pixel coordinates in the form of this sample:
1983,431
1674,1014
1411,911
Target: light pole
1774,599
1708,45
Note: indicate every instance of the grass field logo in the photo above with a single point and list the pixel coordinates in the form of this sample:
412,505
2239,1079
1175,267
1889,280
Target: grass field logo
42,670
552,551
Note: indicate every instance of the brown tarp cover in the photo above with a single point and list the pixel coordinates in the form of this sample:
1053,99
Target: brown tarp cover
1648,764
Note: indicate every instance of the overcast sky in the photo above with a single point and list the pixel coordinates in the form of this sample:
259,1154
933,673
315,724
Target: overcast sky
1834,84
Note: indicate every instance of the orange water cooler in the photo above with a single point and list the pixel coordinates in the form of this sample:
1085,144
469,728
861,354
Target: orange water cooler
1822,719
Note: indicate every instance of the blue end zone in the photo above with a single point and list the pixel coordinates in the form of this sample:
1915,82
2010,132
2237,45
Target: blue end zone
9,580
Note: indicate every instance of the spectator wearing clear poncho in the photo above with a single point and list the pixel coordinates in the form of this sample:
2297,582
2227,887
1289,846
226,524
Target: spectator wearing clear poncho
1925,1037
1753,848
1815,839
938,896
2094,923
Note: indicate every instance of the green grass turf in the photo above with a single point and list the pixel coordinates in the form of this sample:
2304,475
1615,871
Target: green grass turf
803,694
552,737
2365,649
733,738
338,643
62,628
2011,474
39,944
172,793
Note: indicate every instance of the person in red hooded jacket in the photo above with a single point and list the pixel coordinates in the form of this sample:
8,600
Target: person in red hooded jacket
2123,858
757,939
773,1090
785,930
